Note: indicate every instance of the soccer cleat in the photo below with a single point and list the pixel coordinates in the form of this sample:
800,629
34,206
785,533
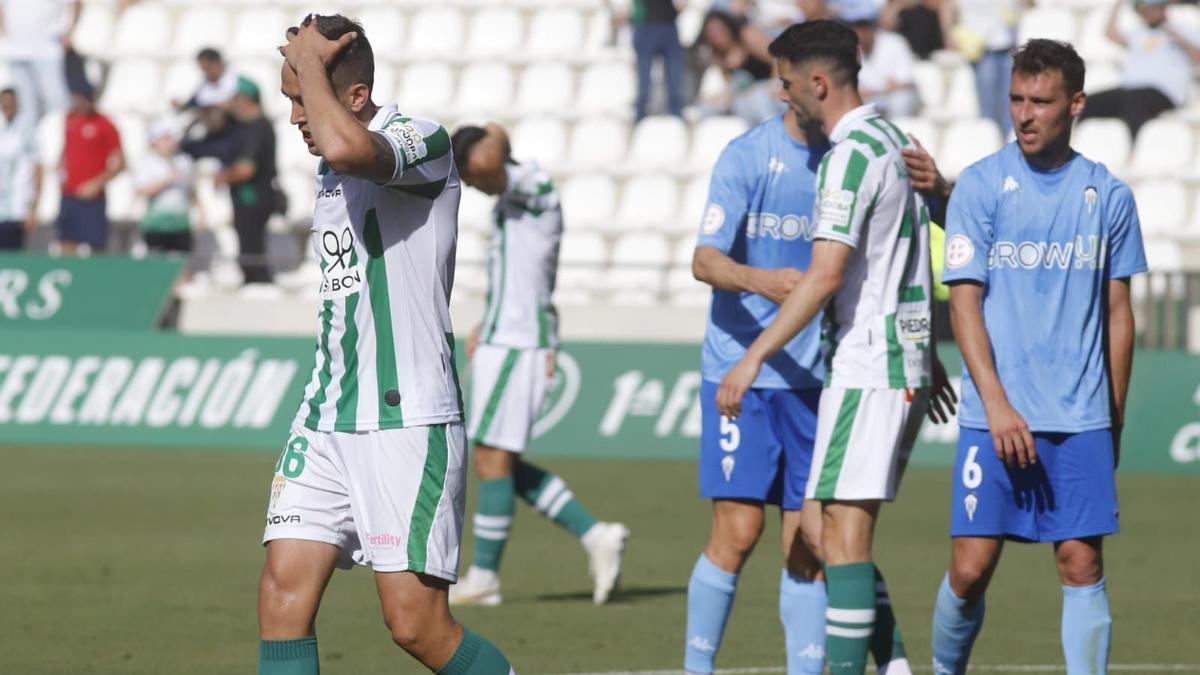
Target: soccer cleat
605,544
477,587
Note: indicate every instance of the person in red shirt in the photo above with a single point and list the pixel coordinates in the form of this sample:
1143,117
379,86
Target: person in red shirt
91,158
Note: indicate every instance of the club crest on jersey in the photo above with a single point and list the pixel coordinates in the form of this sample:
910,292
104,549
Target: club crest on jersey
1090,196
959,251
341,273
714,218
834,207
410,140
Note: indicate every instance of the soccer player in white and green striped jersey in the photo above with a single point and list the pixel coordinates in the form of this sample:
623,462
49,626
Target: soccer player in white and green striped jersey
512,356
374,471
870,272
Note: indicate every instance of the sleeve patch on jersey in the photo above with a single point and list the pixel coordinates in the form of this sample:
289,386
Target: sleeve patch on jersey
959,251
410,140
835,207
714,219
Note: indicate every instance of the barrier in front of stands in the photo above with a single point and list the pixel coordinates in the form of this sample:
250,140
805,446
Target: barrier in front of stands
620,401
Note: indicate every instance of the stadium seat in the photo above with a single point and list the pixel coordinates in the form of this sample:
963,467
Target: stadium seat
607,87
695,199
144,29
659,142
1101,76
1162,207
495,32
686,289
384,91
265,73
472,250
426,88
685,249
1094,46
203,26
581,256
711,136
301,191
181,79
645,249
542,139
1164,146
690,22
290,151
930,79
1163,255
923,129
555,31
435,31
961,101
639,265
384,26
1055,23
133,85
135,142
965,142
121,202
588,201
258,31
51,130
598,142
50,200
95,30
485,88
475,210
1184,16
1103,140
545,87
648,201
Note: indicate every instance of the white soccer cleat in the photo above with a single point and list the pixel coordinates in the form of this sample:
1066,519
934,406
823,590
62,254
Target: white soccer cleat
605,544
477,587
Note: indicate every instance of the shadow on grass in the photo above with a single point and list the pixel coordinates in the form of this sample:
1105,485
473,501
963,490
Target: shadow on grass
624,594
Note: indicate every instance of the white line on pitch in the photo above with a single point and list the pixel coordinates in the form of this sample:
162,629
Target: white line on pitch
1028,668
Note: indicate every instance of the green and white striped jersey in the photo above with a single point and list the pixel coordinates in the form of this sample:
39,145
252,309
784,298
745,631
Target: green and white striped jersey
878,325
523,262
385,345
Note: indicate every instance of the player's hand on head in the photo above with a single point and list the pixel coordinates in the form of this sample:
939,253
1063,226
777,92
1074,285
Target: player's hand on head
1010,434
306,42
942,397
734,385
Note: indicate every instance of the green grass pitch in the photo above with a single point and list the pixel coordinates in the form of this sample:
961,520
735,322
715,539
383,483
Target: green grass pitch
146,562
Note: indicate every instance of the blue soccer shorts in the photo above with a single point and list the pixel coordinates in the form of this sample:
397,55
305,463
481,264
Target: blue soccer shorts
765,454
1071,493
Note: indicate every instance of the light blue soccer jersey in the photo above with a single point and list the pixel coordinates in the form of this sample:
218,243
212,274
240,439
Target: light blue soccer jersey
1044,244
760,205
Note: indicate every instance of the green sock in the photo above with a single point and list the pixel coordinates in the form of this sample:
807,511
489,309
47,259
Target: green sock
850,616
552,498
493,520
886,643
288,657
475,656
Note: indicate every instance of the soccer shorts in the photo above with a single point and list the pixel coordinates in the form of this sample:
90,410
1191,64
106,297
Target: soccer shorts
763,455
864,440
392,499
1071,492
508,386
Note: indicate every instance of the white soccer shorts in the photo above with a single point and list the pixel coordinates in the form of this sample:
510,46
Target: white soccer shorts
864,440
508,387
392,499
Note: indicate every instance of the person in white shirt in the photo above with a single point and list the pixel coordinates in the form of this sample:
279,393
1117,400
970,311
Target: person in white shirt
20,174
38,34
886,77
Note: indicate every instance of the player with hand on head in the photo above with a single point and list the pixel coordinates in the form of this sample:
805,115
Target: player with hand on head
513,356
870,273
374,471
1038,224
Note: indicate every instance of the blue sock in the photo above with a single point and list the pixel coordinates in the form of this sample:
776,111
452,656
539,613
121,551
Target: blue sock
1086,628
956,623
710,597
802,610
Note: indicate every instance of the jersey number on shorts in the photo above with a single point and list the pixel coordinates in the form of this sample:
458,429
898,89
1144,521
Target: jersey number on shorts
291,460
731,436
972,473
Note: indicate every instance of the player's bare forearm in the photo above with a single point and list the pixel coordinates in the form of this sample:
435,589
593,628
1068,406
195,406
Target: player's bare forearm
718,270
813,292
1120,346
970,332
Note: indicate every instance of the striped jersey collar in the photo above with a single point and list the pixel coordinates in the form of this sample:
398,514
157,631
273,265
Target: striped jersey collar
382,115
851,119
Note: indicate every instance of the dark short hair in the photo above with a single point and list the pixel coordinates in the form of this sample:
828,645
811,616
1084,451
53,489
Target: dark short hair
9,91
356,63
1040,55
209,54
463,140
833,42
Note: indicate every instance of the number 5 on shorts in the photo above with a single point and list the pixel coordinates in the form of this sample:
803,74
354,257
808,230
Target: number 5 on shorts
972,473
291,460
731,435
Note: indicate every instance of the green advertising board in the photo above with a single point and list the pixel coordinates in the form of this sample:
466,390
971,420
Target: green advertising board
623,401
98,292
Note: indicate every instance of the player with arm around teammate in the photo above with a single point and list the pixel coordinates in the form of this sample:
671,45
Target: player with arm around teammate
870,273
374,471
1038,224
512,355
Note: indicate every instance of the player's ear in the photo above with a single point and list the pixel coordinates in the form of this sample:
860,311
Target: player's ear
1078,102
357,97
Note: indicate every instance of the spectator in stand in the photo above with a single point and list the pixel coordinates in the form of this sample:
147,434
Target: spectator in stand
1157,75
91,158
164,180
886,77
655,36
735,51
918,21
219,84
38,33
214,131
20,174
985,32
251,181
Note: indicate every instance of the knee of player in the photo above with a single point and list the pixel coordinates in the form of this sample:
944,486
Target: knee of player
1079,568
406,632
969,577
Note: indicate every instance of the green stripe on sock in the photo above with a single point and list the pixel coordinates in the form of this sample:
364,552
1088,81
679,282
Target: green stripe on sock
495,499
835,455
531,481
390,417
489,410
851,591
433,482
288,657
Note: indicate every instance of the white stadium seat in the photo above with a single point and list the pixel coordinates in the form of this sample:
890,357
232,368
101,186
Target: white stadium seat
922,129
426,88
555,31
695,199
1162,206
144,28
258,32
135,142
648,201
1103,140
542,139
1101,76
711,136
598,142
1162,255
930,79
961,100
384,27
291,152
1094,46
581,256
435,31
475,210
385,89
966,142
639,265
1164,146
265,73
485,88
545,87
133,85
643,249
588,201
122,203
495,31
94,32
659,142
607,87
685,249
301,192
203,26
1055,23
181,79
51,132
472,249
